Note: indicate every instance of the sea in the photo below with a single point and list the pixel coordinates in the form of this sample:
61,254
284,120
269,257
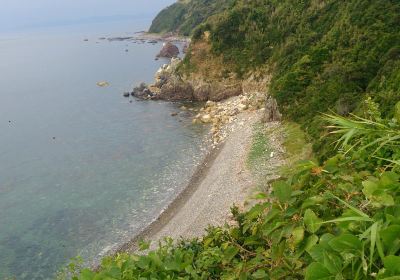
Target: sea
83,169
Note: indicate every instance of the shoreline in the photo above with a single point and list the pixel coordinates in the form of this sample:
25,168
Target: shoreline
176,204
209,190
170,221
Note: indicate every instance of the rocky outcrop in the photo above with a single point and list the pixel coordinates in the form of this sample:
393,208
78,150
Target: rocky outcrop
142,92
221,91
169,50
271,113
215,91
202,91
176,90
169,85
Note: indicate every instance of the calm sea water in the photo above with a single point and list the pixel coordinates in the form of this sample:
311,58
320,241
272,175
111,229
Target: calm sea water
81,168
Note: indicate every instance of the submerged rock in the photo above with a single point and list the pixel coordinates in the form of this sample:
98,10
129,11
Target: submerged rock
103,84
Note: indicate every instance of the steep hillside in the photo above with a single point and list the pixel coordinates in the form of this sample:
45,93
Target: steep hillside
183,16
324,54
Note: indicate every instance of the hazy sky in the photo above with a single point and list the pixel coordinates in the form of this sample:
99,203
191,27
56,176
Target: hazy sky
16,14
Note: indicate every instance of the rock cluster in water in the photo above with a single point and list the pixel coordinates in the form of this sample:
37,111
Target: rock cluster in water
224,101
168,85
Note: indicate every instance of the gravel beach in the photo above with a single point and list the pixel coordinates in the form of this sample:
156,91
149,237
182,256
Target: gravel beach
221,181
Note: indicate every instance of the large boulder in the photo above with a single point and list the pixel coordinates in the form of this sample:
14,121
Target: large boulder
169,50
176,90
271,112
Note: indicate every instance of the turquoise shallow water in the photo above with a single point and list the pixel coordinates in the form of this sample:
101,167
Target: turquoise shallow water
81,168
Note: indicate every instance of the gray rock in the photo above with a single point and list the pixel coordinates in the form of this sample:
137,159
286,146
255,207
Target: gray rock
169,50
175,89
142,92
271,113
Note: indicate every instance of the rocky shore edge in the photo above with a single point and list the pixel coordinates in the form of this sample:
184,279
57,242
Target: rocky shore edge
231,119
221,102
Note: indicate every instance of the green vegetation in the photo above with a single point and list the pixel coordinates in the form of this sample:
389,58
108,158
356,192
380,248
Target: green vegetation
325,55
185,15
336,73
260,149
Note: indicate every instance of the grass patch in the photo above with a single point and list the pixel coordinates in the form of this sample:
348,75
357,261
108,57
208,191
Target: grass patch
260,148
296,144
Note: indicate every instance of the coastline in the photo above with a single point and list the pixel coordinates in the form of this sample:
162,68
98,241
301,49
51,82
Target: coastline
176,205
209,195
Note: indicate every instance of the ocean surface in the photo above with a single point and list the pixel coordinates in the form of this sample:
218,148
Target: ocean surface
83,169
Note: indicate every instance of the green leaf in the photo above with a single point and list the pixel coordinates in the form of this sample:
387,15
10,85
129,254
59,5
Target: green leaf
310,242
86,274
388,179
370,187
282,191
391,236
332,262
315,200
260,195
357,211
392,264
347,219
317,271
311,221
376,193
144,245
260,274
317,253
374,232
230,253
298,235
345,243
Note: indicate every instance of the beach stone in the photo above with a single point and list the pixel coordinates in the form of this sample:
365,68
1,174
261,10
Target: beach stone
242,107
206,118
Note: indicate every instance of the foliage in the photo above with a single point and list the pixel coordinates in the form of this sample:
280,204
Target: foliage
184,16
